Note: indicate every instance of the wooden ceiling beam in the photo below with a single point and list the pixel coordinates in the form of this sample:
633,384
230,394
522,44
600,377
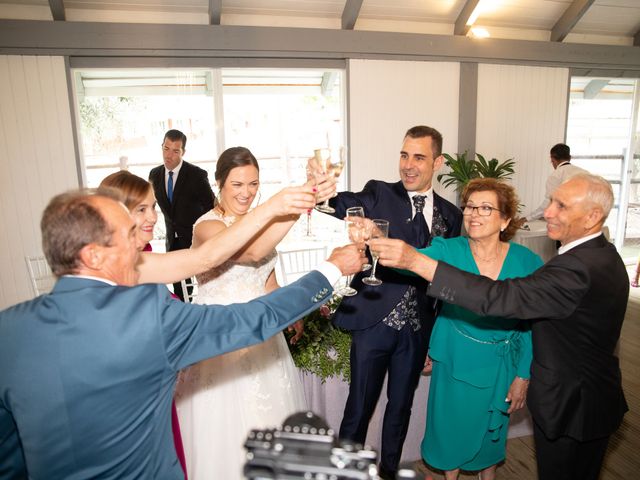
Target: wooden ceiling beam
57,10
569,18
461,27
350,14
215,12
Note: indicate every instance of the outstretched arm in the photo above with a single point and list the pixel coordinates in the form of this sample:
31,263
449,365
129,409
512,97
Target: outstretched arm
398,254
174,266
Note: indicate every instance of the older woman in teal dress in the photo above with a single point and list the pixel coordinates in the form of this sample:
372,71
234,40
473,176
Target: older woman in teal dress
480,364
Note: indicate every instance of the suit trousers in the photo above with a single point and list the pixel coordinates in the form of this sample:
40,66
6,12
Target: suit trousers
565,458
374,352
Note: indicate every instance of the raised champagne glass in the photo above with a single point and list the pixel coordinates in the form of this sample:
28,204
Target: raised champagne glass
357,228
354,221
379,229
331,162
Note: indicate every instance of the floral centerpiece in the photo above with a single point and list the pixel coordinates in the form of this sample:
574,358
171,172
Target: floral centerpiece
323,349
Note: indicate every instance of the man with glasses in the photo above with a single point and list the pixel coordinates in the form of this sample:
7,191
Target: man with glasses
577,303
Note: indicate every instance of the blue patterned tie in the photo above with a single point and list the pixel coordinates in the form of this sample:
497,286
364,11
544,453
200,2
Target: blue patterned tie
420,227
170,188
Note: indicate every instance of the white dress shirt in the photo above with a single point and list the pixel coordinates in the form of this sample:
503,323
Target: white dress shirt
428,205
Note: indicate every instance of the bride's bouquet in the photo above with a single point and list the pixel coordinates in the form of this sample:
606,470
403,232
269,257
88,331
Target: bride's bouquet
323,349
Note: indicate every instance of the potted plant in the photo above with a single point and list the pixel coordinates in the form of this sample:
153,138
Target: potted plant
464,169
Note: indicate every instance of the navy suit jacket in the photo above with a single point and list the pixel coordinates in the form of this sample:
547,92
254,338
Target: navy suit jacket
577,302
389,201
87,373
192,198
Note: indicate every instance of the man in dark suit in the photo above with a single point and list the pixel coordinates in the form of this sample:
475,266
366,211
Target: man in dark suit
183,193
391,323
87,373
577,302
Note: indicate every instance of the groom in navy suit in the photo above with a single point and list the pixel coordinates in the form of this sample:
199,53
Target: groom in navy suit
391,323
87,372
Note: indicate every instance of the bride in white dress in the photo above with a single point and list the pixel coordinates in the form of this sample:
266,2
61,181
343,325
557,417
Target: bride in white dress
221,399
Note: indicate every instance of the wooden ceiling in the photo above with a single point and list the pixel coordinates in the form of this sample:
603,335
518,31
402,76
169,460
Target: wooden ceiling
605,22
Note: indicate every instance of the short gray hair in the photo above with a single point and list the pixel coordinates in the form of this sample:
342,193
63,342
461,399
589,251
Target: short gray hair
599,192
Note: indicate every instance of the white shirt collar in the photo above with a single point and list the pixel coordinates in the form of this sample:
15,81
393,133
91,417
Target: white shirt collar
97,279
428,205
175,170
575,243
427,193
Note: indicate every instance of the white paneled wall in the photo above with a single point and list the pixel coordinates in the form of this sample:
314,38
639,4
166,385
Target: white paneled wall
388,97
37,160
522,114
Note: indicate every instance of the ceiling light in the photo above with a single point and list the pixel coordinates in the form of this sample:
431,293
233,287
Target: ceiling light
479,32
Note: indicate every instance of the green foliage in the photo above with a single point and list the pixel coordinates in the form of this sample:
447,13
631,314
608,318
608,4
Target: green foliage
463,170
323,349
494,169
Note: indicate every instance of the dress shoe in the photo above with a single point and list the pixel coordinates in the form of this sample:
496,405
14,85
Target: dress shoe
385,474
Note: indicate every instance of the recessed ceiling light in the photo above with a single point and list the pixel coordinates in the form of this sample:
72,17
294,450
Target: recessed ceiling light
479,32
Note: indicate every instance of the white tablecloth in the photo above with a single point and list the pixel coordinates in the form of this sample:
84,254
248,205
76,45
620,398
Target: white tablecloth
536,239
328,400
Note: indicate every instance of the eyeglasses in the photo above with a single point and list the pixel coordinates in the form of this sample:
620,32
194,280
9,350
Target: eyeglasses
482,210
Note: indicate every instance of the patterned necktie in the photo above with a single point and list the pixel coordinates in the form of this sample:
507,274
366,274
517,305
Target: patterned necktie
420,228
170,188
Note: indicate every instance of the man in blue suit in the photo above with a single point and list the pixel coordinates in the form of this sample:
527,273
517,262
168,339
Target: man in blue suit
391,323
87,372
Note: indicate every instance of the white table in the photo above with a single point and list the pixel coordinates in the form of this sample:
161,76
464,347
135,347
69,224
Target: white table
536,240
328,400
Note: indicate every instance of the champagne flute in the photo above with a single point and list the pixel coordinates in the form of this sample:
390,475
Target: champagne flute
354,221
312,175
379,229
358,231
323,157
333,163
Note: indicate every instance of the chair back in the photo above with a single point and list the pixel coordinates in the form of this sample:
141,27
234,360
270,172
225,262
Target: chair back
41,276
295,263
189,289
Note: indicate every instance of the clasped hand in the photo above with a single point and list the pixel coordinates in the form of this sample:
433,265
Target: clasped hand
325,183
393,252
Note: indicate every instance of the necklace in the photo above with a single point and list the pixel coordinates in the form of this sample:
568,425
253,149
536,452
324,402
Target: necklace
487,259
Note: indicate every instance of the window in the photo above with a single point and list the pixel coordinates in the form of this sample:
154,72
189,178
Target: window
602,114
281,115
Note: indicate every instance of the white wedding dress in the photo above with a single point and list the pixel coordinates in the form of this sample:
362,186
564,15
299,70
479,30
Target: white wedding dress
221,399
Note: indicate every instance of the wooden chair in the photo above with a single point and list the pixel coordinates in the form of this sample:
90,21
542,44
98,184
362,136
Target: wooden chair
295,263
41,276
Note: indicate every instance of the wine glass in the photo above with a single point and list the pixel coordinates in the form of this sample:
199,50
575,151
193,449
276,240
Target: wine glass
312,175
354,221
330,162
379,229
358,230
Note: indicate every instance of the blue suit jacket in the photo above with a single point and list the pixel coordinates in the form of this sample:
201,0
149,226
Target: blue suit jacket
389,201
87,372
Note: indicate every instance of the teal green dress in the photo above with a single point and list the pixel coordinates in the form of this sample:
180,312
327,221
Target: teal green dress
475,359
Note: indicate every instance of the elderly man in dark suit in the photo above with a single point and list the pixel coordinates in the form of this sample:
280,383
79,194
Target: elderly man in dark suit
87,372
577,302
391,323
183,193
